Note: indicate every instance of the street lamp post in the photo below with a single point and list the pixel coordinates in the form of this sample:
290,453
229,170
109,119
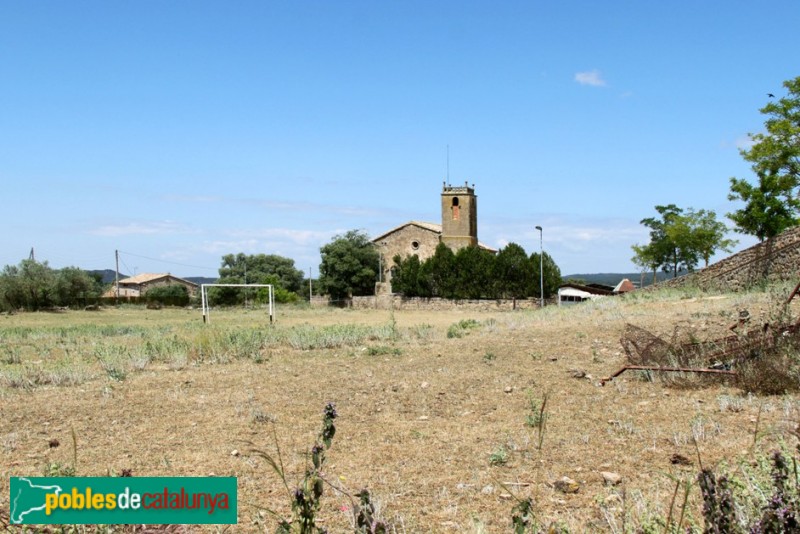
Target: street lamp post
541,266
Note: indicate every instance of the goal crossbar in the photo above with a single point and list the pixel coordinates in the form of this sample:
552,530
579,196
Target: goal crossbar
207,307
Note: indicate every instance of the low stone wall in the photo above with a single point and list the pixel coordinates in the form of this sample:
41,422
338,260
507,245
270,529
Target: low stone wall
775,259
398,302
319,302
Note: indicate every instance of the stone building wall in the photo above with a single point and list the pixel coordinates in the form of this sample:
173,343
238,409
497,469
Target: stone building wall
459,217
775,259
166,281
407,241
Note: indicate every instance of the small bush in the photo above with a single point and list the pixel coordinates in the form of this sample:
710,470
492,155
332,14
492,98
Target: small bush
499,457
770,373
462,327
383,350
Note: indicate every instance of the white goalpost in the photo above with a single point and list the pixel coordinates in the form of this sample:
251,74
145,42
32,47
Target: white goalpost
207,307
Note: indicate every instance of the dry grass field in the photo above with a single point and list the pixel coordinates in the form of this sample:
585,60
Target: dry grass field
433,417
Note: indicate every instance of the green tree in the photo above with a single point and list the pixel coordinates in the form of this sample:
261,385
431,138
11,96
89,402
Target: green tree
281,295
407,276
772,206
552,275
513,272
678,240
473,273
349,265
646,259
74,285
256,269
29,285
438,271
670,245
705,233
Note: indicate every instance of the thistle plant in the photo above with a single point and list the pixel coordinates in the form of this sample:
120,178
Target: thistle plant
781,512
522,517
305,498
718,504
365,520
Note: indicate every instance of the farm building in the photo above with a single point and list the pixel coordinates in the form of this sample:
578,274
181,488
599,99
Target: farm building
137,286
571,293
459,229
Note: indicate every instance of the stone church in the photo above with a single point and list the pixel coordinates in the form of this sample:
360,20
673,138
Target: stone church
459,229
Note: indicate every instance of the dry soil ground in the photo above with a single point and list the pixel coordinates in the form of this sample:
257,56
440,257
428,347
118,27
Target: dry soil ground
421,415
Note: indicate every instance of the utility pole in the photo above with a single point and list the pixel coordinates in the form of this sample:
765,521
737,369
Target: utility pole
310,292
116,274
541,266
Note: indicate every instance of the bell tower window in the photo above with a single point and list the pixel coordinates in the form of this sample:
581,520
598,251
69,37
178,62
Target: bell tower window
455,208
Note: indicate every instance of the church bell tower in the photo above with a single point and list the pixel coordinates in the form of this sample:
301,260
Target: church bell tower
459,216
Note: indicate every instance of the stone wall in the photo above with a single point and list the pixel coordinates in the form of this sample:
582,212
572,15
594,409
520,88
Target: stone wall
398,302
319,302
407,241
775,259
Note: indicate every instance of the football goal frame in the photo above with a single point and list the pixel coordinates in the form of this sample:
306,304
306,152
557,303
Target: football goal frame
207,307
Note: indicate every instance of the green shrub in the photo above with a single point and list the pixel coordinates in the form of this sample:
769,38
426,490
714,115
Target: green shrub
171,295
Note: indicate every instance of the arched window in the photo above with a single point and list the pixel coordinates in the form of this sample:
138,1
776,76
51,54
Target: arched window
455,208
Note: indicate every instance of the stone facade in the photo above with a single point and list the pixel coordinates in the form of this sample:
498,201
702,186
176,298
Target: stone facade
459,217
139,285
411,238
775,259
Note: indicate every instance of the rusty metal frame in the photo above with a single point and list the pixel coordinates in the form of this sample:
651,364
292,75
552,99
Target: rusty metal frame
732,344
792,295
666,369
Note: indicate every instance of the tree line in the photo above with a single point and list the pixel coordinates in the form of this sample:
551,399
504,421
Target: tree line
350,267
680,238
34,285
474,273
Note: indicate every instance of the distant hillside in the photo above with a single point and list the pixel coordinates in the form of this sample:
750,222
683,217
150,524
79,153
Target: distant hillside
107,274
200,279
612,279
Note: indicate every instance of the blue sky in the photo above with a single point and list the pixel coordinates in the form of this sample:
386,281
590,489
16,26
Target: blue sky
177,132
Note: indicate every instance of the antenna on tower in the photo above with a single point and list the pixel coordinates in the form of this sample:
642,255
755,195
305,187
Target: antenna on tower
448,163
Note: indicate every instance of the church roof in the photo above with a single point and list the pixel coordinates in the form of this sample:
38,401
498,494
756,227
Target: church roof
431,227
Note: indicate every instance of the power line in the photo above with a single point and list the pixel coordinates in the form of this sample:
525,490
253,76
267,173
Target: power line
130,273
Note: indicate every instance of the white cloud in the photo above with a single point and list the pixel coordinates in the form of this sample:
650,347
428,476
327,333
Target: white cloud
141,228
194,199
297,237
592,77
